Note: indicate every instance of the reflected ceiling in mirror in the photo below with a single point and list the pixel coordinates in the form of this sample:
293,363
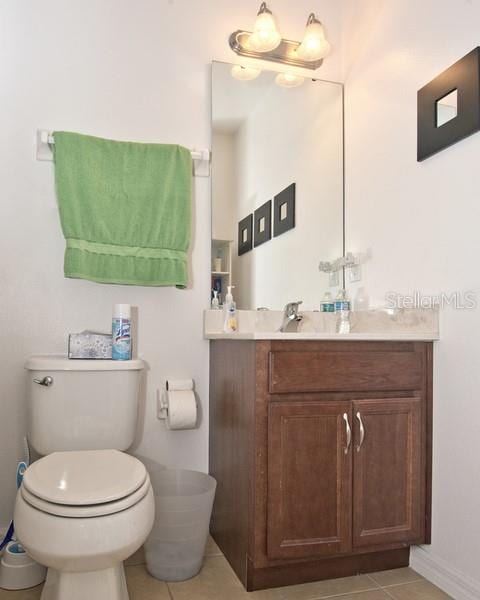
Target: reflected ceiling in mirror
271,142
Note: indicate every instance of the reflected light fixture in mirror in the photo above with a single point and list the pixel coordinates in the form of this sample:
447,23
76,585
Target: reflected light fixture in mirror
289,80
314,45
245,73
265,36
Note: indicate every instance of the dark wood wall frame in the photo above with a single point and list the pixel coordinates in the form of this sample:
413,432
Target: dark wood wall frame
241,405
245,226
285,197
265,213
463,76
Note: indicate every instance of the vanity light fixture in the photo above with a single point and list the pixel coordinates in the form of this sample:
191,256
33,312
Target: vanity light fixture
266,43
289,80
314,45
265,36
245,73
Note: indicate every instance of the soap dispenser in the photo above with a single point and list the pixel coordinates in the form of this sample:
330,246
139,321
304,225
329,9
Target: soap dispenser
215,302
230,312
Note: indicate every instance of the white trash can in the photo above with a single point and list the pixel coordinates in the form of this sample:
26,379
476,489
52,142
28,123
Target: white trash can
183,506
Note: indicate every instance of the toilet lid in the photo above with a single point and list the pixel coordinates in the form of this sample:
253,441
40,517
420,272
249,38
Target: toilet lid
85,477
89,510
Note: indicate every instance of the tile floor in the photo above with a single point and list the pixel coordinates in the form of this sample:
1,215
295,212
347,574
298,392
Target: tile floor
216,581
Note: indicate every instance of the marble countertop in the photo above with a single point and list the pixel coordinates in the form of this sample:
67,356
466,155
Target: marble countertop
392,337
381,324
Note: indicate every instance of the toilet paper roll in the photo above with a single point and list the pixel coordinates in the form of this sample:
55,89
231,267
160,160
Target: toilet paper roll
181,409
179,384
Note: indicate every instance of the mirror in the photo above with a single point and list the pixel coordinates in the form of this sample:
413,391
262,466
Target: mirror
447,108
277,188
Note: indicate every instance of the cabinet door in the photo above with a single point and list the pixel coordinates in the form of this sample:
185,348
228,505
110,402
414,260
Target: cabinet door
309,479
388,494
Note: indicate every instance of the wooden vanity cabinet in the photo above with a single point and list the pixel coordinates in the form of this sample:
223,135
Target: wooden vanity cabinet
322,455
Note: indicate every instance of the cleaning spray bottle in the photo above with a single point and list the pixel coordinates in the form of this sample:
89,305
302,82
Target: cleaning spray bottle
230,312
121,332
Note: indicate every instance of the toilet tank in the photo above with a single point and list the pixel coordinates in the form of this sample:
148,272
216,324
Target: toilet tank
89,404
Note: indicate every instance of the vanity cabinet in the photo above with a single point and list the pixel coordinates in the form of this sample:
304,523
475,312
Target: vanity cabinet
388,487
322,454
342,475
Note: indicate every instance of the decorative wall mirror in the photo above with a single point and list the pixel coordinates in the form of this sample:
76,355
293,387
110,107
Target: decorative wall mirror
277,187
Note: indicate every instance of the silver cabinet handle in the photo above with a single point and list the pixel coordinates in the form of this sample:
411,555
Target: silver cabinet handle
349,433
362,430
46,381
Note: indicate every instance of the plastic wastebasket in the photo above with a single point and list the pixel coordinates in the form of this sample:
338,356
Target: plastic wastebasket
183,506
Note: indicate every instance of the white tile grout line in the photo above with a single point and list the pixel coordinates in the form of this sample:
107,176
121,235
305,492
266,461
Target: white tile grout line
372,579
419,578
377,589
170,593
384,587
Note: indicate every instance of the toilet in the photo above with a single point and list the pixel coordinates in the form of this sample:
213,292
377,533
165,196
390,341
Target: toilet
85,505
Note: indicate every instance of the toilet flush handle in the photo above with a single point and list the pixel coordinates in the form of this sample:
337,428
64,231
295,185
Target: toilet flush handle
46,381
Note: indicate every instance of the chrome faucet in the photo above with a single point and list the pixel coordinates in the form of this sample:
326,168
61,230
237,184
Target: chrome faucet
291,317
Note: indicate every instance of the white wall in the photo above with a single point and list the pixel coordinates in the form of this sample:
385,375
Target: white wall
127,70
421,222
223,186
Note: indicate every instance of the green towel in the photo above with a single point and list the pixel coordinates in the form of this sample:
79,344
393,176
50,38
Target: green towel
125,209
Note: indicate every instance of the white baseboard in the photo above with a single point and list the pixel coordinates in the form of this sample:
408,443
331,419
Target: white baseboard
442,574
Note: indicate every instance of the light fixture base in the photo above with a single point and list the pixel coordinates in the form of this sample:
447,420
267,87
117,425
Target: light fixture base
285,53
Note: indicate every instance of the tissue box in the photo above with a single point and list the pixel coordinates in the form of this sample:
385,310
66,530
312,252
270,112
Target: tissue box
90,344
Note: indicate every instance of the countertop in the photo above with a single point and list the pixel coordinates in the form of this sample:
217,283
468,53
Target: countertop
420,325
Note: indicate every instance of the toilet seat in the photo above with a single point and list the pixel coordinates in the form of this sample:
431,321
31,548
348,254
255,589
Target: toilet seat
84,478
89,510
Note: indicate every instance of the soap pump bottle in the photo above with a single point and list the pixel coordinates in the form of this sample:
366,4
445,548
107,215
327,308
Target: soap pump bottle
230,312
215,302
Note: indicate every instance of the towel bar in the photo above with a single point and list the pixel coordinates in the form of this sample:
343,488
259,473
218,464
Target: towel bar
201,158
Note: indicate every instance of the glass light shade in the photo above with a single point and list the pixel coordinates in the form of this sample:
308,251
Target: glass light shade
314,45
289,80
265,36
245,73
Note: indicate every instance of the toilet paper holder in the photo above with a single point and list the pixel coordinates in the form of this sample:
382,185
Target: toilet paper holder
171,385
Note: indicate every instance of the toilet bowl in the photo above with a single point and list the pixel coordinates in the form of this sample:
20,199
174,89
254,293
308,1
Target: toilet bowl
81,514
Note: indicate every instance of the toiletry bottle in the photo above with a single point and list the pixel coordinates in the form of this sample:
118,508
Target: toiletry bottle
361,300
341,301
344,321
121,332
342,308
327,304
230,312
215,302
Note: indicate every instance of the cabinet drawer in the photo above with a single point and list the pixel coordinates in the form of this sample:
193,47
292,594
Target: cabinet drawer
317,371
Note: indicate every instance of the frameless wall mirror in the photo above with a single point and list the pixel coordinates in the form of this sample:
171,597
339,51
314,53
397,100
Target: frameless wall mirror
277,187
447,108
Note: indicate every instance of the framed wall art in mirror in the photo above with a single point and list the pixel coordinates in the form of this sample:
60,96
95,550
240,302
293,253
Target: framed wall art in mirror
284,211
262,224
245,235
